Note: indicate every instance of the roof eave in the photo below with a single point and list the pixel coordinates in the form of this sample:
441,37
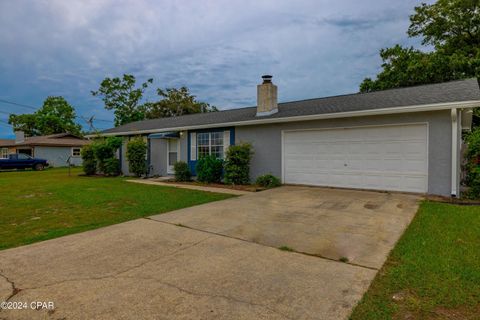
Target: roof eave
371,112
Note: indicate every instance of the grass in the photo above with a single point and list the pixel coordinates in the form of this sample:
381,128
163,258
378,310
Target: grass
434,270
40,205
286,248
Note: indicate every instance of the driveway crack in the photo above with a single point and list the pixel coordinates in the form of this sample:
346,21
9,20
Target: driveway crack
201,294
15,290
114,275
264,245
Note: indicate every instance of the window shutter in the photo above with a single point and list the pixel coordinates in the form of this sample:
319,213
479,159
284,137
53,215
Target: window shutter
226,140
193,146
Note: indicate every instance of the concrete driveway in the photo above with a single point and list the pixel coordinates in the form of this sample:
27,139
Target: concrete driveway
215,261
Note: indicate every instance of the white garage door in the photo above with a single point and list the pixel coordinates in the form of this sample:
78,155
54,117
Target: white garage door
383,157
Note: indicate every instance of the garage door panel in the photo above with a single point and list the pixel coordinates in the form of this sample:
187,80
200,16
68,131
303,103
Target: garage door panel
388,157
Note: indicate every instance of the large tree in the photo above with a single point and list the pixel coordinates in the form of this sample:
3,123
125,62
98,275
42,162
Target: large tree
176,102
452,27
55,116
123,97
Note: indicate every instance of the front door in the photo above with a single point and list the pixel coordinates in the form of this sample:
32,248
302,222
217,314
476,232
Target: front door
172,154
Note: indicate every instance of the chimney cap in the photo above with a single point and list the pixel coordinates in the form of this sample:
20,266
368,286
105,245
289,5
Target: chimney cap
267,78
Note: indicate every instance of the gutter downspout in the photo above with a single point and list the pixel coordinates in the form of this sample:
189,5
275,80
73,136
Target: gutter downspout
120,151
149,142
455,152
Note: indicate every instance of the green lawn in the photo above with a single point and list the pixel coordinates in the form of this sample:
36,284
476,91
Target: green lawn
40,205
433,272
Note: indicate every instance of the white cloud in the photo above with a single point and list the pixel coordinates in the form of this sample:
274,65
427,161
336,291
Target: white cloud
218,48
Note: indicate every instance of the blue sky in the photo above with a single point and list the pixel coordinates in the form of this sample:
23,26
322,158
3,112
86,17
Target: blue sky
219,49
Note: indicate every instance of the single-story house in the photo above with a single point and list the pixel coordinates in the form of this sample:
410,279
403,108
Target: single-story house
57,149
406,139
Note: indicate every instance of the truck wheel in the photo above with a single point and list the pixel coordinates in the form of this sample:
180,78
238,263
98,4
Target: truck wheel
38,167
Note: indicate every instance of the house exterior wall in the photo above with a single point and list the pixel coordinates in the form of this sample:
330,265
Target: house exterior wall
159,150
57,156
267,142
158,157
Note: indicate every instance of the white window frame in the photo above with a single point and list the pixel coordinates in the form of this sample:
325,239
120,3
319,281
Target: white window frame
210,143
79,152
3,153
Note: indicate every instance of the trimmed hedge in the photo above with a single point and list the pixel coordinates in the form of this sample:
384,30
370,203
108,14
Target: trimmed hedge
112,167
209,169
136,153
472,164
237,164
182,171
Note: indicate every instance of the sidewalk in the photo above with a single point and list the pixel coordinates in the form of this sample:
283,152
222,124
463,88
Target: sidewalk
192,187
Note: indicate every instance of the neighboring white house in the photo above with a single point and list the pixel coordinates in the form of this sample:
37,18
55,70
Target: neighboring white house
57,149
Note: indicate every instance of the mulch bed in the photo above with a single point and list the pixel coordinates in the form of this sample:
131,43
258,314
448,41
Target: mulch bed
248,187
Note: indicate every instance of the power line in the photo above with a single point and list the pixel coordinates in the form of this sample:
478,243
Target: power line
34,108
5,123
18,104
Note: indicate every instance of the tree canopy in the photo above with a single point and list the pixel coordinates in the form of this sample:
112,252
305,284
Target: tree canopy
452,27
55,116
123,97
176,102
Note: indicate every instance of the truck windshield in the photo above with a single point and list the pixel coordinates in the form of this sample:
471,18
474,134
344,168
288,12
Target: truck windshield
22,156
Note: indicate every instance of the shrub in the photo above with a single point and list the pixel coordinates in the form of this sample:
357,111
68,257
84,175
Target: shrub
182,171
104,149
268,181
209,169
88,159
112,167
89,167
102,153
237,164
114,143
472,164
136,153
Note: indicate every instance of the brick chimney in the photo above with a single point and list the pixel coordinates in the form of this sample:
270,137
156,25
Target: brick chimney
19,136
266,97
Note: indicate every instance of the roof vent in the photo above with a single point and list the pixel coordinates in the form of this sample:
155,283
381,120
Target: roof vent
266,97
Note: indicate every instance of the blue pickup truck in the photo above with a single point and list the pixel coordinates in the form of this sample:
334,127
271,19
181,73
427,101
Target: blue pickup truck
22,161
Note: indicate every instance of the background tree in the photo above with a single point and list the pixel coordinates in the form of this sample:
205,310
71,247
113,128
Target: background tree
25,123
121,95
55,116
176,102
452,27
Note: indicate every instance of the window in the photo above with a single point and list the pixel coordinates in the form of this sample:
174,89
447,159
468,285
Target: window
23,156
76,152
210,143
4,153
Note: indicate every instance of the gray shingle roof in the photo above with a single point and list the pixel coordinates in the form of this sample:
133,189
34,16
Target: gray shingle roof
454,91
